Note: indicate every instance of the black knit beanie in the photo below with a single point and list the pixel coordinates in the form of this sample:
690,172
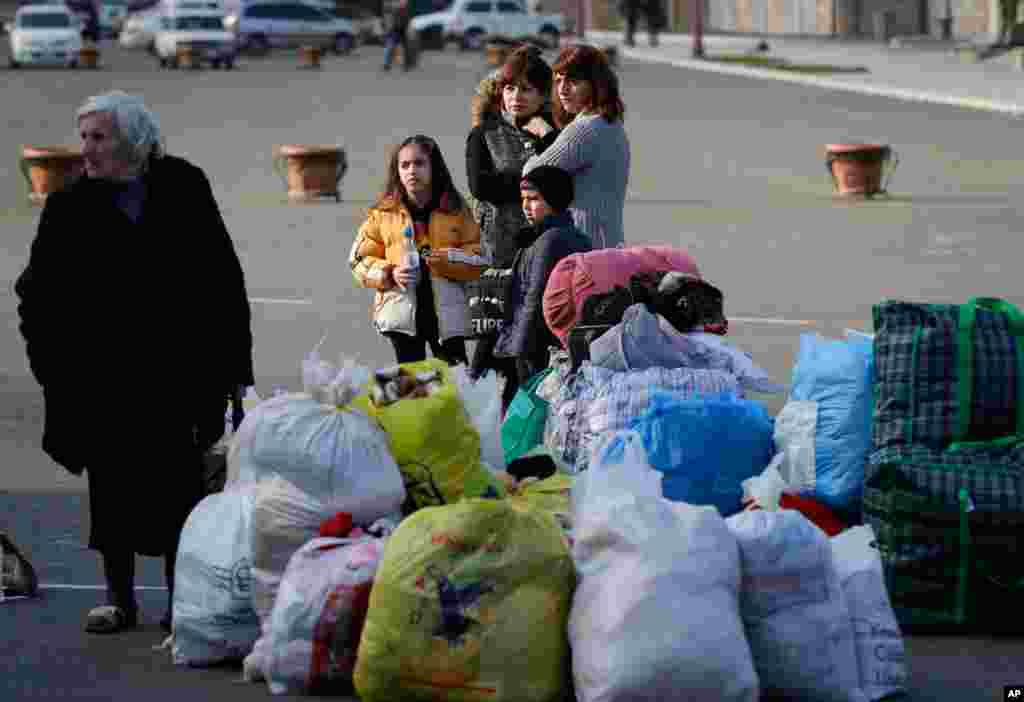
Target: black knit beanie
554,184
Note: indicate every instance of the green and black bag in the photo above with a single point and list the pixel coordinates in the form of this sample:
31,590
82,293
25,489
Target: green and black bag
944,489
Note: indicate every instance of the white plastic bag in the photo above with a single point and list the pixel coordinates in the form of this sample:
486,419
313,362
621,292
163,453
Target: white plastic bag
319,614
655,614
876,633
793,610
482,400
766,490
796,426
337,456
214,620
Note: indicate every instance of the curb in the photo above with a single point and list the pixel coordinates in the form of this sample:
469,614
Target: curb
889,91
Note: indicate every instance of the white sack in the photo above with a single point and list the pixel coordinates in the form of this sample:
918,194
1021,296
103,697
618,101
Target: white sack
213,618
482,400
337,456
319,613
876,633
655,613
793,610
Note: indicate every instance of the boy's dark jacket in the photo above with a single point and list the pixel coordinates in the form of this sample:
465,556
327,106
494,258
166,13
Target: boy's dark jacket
525,334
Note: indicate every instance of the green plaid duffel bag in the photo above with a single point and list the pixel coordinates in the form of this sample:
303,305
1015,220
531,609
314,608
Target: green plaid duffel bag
944,485
949,568
947,373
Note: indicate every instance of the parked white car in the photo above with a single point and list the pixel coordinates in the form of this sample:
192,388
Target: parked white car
469,22
139,29
45,35
262,25
203,31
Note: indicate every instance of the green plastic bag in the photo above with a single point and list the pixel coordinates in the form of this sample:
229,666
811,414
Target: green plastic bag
470,604
523,427
434,443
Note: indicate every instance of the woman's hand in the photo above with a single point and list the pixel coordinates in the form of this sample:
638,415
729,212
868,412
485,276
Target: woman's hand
538,126
404,276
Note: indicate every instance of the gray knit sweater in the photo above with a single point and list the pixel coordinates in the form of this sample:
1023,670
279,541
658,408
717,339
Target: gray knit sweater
596,154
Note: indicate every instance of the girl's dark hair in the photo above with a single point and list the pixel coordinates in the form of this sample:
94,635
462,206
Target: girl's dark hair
444,191
582,62
525,64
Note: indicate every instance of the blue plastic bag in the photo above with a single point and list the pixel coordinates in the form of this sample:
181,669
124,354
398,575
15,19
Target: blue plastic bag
706,447
835,374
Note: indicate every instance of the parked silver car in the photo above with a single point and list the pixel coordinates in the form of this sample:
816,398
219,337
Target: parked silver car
262,25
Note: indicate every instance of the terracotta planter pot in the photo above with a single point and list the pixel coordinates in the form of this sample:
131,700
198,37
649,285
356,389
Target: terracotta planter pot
497,53
89,57
186,57
857,169
311,56
311,172
49,168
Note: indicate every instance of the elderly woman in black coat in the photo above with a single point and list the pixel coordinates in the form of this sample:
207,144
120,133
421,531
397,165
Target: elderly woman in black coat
137,326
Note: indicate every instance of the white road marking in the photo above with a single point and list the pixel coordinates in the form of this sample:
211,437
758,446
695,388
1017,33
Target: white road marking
773,320
280,301
63,586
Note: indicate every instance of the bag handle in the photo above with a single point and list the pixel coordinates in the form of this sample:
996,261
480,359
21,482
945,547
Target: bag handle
965,366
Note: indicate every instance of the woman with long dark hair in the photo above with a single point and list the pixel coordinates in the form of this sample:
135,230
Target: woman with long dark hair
592,146
417,248
517,125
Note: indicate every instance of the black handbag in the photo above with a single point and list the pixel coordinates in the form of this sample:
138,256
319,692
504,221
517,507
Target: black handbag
487,296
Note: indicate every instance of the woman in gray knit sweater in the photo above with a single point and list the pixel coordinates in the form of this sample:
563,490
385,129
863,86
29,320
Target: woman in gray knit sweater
592,146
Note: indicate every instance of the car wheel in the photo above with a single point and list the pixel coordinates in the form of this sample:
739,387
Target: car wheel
15,65
229,64
343,44
473,40
258,44
73,65
549,35
215,63
163,62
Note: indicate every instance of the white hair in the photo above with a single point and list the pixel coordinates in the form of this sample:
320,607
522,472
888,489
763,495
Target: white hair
137,128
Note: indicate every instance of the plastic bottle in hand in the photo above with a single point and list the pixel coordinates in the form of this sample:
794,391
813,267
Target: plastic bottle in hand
411,257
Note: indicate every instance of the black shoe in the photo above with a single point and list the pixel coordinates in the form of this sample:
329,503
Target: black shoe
111,619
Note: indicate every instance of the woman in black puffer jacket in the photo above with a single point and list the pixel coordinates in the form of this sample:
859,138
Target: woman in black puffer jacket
516,125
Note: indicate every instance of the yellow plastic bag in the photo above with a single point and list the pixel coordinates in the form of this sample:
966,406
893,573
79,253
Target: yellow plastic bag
470,604
434,442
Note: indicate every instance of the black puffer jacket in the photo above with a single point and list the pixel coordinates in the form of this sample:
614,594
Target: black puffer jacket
496,152
526,335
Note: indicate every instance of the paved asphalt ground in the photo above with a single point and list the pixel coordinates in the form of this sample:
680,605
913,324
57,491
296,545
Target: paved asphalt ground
729,167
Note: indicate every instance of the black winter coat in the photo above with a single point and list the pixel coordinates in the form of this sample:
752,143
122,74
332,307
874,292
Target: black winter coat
137,332
525,334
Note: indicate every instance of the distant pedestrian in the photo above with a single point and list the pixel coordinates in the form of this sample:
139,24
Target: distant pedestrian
518,125
592,146
137,326
398,36
1008,10
548,237
422,301
653,12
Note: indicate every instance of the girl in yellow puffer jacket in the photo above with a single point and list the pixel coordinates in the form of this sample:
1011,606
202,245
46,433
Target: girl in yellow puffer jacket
416,305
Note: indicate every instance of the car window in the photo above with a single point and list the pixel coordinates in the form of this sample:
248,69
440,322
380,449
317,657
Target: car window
199,24
308,14
259,12
478,7
510,8
45,20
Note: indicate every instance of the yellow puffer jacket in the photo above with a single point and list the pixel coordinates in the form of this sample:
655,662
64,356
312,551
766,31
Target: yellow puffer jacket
378,249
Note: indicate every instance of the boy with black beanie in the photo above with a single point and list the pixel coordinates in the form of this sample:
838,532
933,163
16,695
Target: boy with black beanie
547,192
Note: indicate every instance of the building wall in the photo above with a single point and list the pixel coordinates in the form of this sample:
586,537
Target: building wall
842,18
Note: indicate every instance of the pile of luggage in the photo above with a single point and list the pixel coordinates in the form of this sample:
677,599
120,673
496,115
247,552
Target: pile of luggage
635,526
